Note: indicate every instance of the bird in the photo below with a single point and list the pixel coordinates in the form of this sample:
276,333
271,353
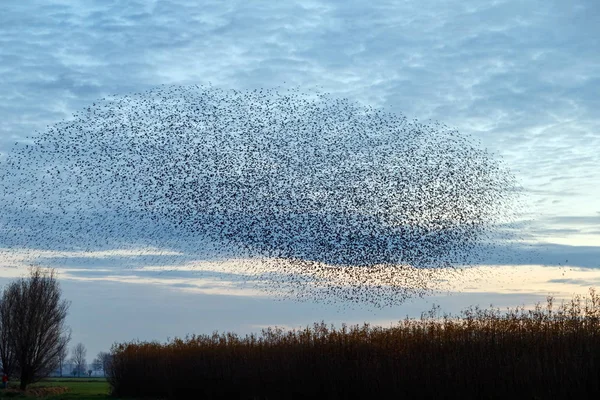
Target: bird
333,201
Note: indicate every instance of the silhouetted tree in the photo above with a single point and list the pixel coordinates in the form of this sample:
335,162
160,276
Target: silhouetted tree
32,325
7,351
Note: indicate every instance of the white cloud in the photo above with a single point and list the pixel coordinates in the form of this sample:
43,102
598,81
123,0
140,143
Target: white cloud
523,77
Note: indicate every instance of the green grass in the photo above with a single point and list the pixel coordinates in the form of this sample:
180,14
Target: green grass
78,388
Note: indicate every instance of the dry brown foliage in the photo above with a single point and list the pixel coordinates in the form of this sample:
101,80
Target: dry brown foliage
546,352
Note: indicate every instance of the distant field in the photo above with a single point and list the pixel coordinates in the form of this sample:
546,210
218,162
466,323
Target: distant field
61,388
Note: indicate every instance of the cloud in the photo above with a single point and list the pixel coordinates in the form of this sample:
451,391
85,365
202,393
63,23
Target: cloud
581,282
578,220
106,311
522,77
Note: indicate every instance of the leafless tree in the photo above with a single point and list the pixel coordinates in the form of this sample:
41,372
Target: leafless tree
33,329
7,353
64,351
79,353
97,365
103,359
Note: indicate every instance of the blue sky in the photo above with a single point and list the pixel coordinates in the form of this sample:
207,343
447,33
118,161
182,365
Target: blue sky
523,77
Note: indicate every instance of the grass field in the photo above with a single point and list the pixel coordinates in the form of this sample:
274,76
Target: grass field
61,388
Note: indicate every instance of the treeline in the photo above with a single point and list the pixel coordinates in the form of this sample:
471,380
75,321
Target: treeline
545,353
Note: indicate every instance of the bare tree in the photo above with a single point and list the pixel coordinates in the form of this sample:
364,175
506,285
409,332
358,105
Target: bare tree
97,364
34,328
104,359
7,351
64,351
79,353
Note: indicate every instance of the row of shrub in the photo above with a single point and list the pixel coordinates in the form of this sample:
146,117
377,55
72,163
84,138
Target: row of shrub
541,353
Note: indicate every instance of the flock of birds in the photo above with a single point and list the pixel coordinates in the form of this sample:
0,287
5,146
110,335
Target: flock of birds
330,200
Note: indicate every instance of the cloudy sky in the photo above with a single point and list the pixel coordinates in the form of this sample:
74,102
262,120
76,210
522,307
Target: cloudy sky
523,77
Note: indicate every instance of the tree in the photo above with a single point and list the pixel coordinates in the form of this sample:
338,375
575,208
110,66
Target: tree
79,353
32,326
64,352
97,364
7,353
102,362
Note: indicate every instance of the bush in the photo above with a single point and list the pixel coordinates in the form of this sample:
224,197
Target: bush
519,353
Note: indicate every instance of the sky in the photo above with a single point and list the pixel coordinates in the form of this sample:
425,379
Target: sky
522,77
